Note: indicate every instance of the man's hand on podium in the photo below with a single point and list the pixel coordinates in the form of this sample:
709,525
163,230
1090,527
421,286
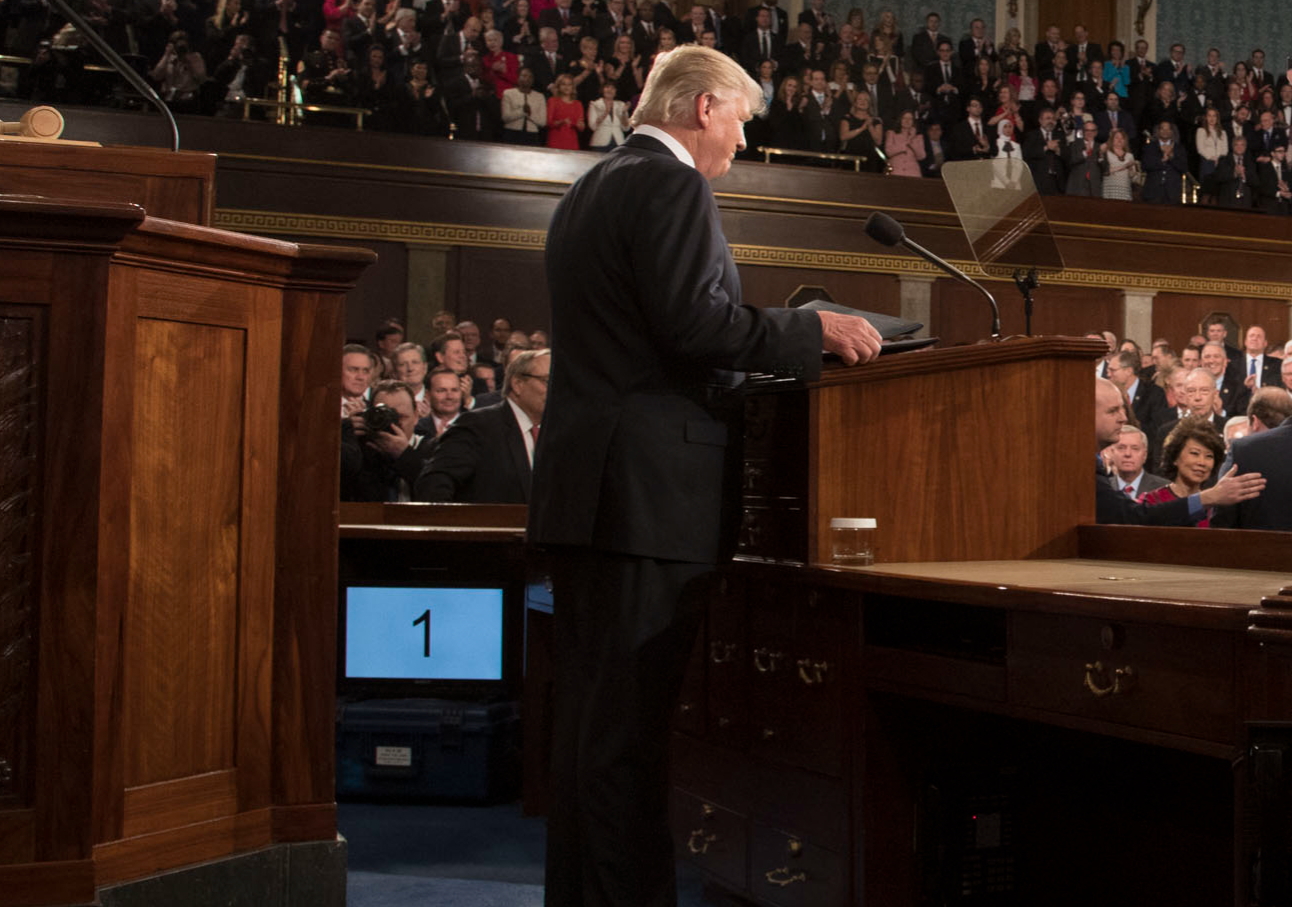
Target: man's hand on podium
853,338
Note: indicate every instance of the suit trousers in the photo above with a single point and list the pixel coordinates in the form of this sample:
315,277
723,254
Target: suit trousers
623,631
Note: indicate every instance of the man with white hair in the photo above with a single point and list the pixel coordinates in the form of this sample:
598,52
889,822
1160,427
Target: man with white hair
1127,458
635,493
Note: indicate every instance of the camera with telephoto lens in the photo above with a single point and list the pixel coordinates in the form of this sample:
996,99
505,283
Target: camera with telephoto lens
380,417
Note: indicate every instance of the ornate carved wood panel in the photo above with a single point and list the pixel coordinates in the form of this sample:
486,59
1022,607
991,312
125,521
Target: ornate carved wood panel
21,373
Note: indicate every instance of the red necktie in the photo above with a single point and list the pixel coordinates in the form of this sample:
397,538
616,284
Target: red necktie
1130,491
977,130
533,432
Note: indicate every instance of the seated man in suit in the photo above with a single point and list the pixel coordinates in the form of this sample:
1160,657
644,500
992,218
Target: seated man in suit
381,451
1267,448
446,402
487,455
1112,506
1127,459
1200,397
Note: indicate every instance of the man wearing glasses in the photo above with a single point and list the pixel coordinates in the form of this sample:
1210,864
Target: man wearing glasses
487,455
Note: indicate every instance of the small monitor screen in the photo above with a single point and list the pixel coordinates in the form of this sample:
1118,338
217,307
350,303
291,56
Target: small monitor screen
394,633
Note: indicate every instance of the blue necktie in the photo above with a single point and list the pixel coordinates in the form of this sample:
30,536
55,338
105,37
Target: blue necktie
1251,366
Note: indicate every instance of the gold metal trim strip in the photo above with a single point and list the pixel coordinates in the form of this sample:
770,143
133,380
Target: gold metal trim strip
422,233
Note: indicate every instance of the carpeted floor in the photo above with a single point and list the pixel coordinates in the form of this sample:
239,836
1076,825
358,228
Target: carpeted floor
414,855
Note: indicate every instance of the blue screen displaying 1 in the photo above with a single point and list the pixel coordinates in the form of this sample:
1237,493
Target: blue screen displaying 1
423,634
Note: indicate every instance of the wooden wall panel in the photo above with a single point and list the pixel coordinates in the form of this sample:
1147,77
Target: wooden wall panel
1098,16
962,315
770,287
500,283
181,620
1178,316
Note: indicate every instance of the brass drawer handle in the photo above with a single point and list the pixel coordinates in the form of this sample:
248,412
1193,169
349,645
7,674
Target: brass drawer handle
1123,680
812,672
768,666
783,878
722,652
699,842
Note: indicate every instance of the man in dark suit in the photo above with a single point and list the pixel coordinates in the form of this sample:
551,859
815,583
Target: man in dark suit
943,80
1270,454
1275,183
1045,50
382,465
1148,401
473,103
1043,151
1165,163
486,455
645,31
1175,70
1228,380
1085,177
924,43
1112,506
1256,368
935,152
637,474
976,45
1236,179
549,62
822,114
1082,51
1113,117
760,42
801,53
971,138
569,24
1127,460
777,19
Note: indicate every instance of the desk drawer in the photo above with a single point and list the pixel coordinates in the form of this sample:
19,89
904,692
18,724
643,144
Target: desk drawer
711,837
1172,679
789,871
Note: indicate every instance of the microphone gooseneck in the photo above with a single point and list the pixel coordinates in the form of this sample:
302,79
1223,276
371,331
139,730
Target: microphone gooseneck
886,230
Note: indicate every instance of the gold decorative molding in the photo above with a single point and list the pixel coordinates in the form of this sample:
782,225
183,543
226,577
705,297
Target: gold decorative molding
423,233
411,232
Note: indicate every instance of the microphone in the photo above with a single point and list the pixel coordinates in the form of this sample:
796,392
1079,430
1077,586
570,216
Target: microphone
884,229
121,66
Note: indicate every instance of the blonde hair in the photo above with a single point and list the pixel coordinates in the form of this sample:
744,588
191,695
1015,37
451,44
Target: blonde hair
683,74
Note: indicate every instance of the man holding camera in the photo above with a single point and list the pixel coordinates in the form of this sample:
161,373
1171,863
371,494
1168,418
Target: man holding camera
381,452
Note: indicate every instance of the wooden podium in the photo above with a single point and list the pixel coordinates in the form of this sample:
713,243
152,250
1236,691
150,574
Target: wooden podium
168,522
960,454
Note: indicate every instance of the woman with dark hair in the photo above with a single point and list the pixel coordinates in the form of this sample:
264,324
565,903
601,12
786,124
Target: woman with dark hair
521,31
376,91
1193,453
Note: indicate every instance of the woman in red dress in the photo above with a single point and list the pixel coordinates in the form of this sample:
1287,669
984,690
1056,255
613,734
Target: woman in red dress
564,116
1192,455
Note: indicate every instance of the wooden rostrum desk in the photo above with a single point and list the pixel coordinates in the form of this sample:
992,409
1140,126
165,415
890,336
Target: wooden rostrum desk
1041,712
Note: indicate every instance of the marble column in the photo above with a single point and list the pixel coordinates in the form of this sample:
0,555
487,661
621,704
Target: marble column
1137,317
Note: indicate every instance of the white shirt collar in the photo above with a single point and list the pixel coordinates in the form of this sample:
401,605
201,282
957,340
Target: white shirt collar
670,143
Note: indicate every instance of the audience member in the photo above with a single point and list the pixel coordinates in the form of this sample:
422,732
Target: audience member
356,372
524,111
487,455
1257,369
1191,459
410,367
1236,182
446,402
1165,164
382,453
1127,457
904,147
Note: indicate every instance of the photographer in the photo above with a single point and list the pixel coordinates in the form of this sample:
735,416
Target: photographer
381,452
179,74
241,75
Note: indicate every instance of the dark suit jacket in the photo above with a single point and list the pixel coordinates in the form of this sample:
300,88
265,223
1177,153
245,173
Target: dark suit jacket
963,139
1125,122
544,73
1269,187
924,50
1234,392
480,459
1046,166
1164,177
1112,506
781,26
751,53
640,447
823,128
369,475
1043,56
1270,454
1233,191
1084,174
1150,407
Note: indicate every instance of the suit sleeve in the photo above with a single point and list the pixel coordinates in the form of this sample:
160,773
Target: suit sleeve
450,465
691,293
1111,506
